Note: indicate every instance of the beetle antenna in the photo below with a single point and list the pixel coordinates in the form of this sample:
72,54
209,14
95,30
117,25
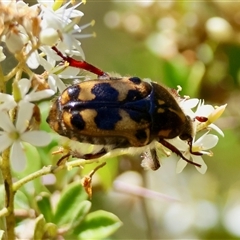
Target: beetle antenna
81,64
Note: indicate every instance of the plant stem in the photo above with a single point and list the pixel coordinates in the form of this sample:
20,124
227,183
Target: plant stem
2,84
9,194
8,210
50,169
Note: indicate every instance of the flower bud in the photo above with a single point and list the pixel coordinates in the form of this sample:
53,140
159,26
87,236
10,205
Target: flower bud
49,36
15,41
219,29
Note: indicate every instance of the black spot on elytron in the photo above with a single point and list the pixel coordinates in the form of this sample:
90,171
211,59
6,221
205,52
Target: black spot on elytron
105,92
135,80
138,116
141,135
107,118
77,120
133,95
73,92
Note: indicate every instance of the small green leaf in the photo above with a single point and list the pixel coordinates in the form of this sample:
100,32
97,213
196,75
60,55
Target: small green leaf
33,164
44,205
108,173
73,195
98,225
39,227
176,72
80,213
21,200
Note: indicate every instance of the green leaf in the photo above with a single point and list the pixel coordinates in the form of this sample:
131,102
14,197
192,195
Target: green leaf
21,200
77,218
176,72
39,227
81,211
108,173
98,225
195,76
33,164
73,195
44,205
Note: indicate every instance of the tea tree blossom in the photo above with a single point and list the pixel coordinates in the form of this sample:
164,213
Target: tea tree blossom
47,35
207,141
13,136
29,33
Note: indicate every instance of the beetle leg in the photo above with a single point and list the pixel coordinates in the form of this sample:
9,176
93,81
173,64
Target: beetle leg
191,151
150,160
63,159
175,150
82,64
89,156
96,155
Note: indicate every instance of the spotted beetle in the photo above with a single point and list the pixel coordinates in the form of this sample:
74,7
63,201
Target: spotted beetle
119,113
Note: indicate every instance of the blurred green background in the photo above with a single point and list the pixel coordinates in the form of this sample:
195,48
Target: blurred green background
189,43
195,45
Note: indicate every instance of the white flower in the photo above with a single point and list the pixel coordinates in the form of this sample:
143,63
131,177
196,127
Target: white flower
7,101
62,21
13,135
201,145
212,114
55,73
32,96
202,118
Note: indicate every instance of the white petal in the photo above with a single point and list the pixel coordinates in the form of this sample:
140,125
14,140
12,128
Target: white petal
59,83
190,103
204,111
5,141
179,144
217,129
52,82
46,65
2,55
36,138
24,85
69,72
210,141
24,115
6,98
199,160
33,60
39,95
7,105
17,157
5,122
181,164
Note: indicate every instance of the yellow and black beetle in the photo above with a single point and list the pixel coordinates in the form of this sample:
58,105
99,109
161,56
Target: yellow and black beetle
119,112
124,112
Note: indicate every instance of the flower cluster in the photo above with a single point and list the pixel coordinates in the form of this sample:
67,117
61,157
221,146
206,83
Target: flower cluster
202,142
43,36
30,33
206,141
